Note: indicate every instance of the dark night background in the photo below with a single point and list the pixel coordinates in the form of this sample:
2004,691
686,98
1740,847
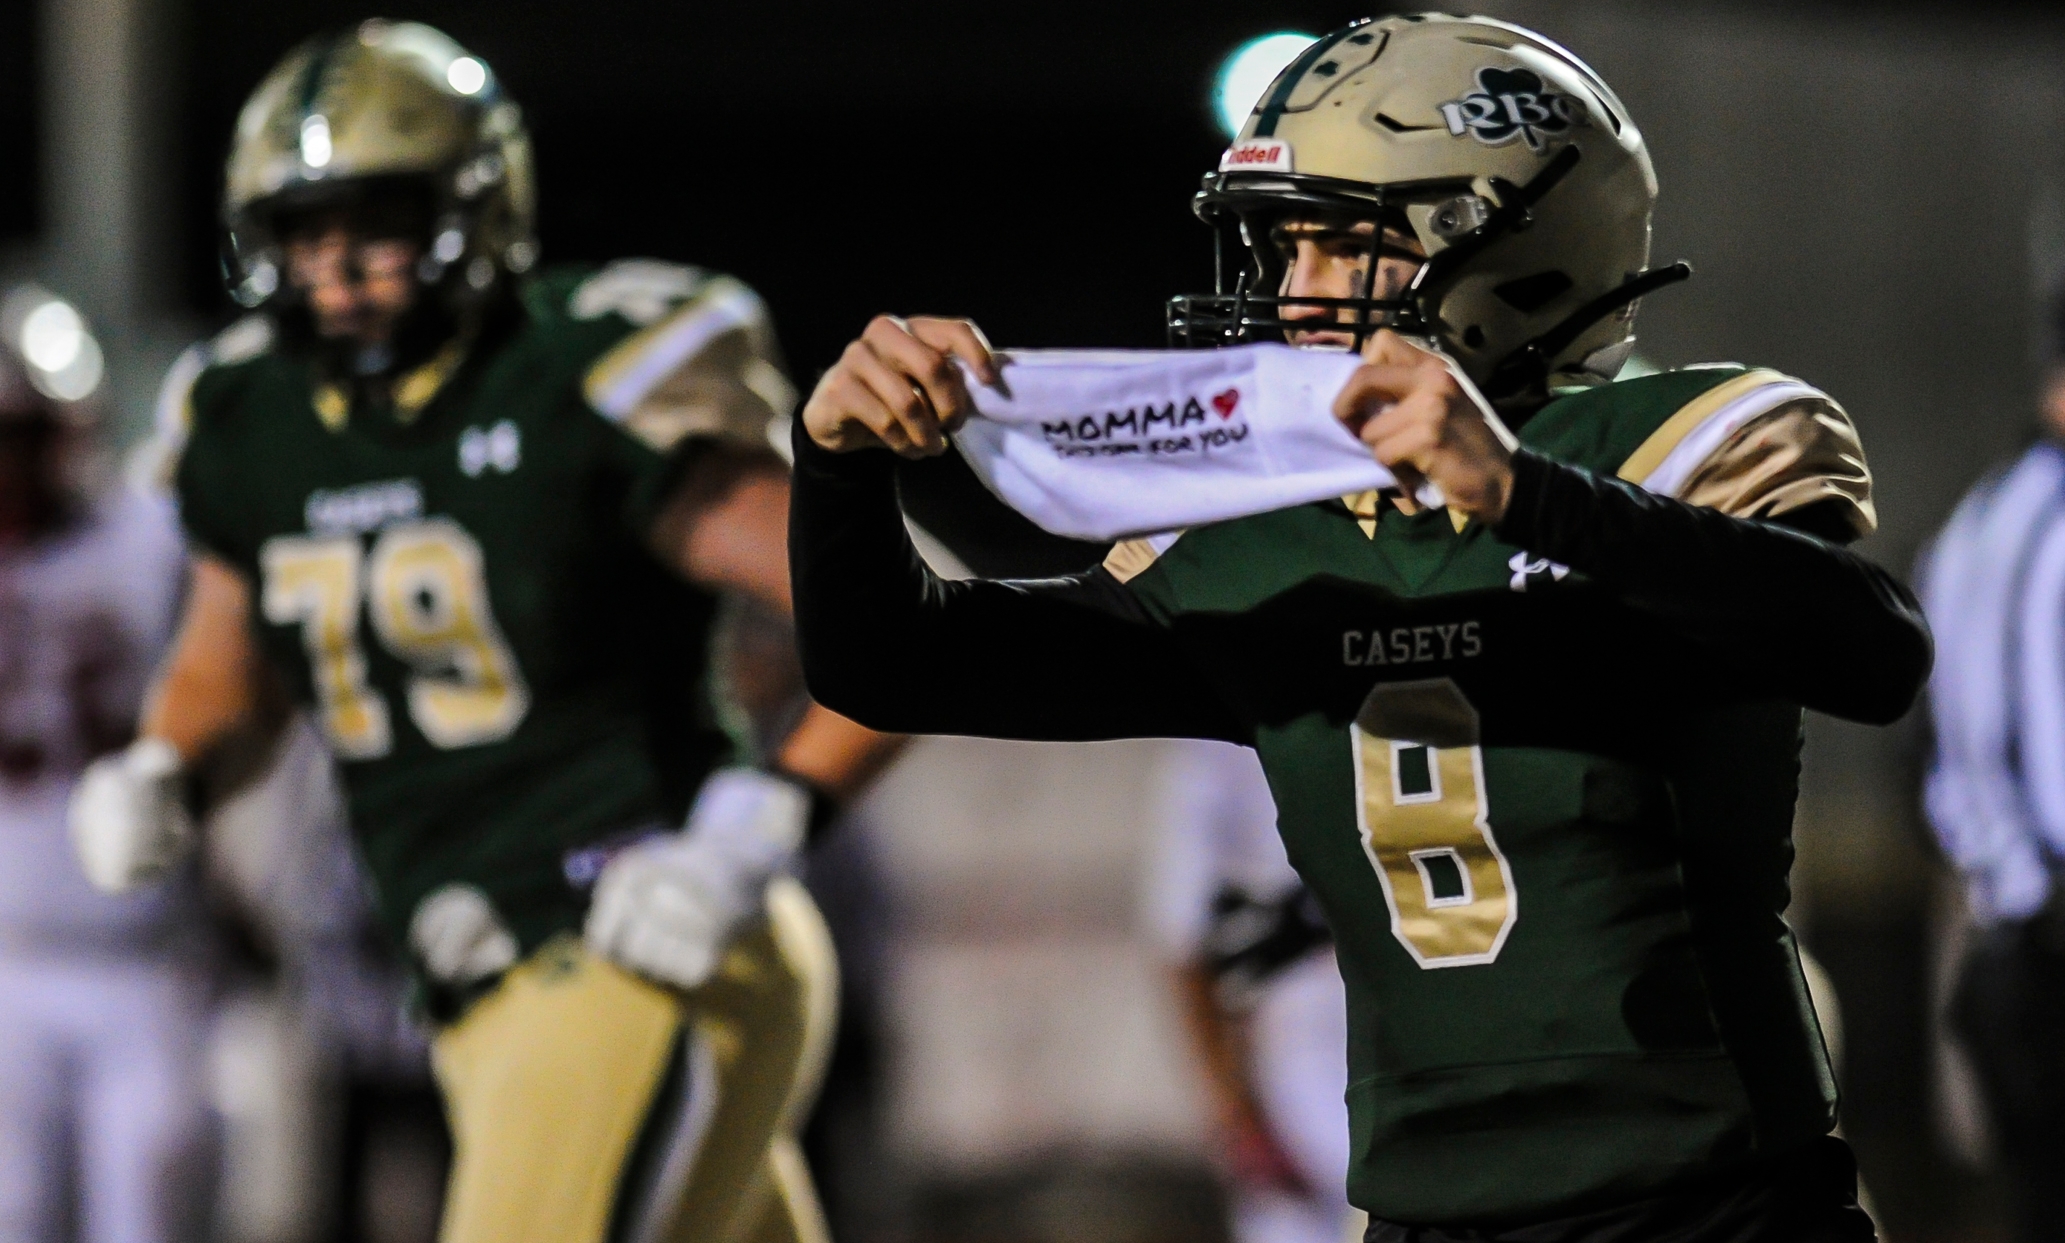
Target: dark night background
1026,165
18,111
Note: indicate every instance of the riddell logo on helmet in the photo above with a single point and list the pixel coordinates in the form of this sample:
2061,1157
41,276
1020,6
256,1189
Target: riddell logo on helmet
1510,104
1266,154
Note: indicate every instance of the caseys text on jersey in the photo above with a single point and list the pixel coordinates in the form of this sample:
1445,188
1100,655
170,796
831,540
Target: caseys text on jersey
1412,645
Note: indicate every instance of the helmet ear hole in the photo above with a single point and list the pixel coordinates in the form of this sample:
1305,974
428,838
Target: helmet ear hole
1528,294
1473,336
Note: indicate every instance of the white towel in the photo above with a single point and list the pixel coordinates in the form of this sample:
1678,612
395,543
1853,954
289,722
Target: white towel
1107,444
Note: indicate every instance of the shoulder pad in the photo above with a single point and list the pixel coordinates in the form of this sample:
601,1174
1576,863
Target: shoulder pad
1675,450
241,342
621,378
1758,446
640,290
172,417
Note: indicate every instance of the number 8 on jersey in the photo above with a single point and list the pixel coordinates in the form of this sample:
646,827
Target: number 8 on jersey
1421,810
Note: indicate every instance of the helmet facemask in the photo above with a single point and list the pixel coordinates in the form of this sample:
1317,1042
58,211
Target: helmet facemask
1247,304
1253,304
365,210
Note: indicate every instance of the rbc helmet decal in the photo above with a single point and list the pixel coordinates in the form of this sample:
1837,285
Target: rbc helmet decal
1510,104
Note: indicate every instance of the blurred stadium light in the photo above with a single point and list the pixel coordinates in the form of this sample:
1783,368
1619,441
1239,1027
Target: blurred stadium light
105,125
1245,74
467,76
65,362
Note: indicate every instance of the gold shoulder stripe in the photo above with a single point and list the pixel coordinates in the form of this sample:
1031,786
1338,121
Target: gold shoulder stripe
1651,453
621,378
174,415
241,342
1129,559
1804,452
156,460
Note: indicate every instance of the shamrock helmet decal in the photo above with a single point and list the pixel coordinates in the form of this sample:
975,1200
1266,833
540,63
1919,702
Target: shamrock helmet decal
1510,104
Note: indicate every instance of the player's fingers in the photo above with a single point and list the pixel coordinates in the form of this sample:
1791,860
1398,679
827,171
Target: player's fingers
1387,348
1397,447
1409,432
962,339
882,423
911,429
1411,479
851,409
931,368
862,418
600,930
1370,390
607,914
830,415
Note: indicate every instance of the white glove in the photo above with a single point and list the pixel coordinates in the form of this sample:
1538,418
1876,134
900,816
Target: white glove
668,908
128,816
459,938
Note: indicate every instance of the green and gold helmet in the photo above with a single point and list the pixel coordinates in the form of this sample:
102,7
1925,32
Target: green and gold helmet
1513,164
387,104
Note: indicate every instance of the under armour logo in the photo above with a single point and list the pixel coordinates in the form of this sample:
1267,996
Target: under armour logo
1525,567
500,447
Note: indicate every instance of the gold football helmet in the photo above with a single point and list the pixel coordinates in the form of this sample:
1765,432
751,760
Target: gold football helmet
386,103
1517,169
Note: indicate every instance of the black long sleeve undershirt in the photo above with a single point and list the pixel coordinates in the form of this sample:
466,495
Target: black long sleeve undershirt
889,644
1839,634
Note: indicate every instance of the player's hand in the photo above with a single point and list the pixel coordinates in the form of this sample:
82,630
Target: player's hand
668,908
1428,425
128,816
897,386
459,938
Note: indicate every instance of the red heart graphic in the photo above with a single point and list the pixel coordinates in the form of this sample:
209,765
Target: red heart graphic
1225,402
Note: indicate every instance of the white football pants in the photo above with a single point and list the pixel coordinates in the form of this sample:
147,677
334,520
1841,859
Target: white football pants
1301,1076
102,1100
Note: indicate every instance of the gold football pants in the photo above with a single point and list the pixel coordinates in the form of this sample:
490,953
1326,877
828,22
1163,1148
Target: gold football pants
550,1081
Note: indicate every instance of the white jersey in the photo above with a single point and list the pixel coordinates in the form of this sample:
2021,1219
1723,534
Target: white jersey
1993,587
85,614
1215,826
1216,832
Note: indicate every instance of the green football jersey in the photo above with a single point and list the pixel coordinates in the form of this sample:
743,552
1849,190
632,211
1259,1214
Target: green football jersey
1552,842
457,583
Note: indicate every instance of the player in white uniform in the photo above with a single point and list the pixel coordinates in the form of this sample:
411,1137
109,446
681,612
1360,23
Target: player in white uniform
102,1003
1256,978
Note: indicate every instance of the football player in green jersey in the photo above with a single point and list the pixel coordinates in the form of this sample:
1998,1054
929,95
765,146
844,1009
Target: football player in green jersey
1535,751
477,516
